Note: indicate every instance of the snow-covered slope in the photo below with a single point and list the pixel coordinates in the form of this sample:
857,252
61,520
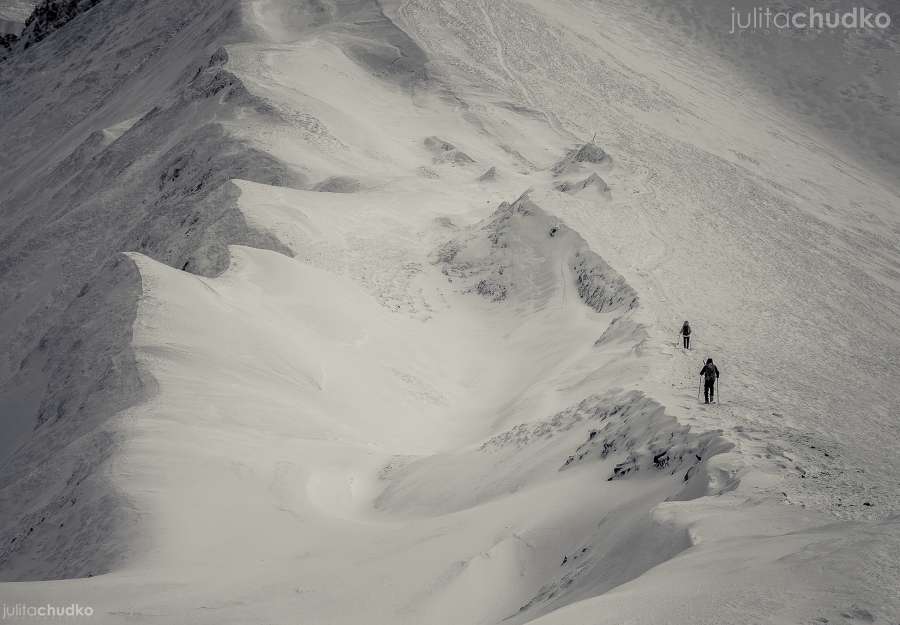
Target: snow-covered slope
359,312
842,80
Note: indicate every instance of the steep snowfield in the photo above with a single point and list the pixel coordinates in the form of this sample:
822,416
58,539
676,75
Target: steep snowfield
842,80
334,312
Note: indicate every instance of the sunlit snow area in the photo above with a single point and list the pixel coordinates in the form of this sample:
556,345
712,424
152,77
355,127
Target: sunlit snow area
333,312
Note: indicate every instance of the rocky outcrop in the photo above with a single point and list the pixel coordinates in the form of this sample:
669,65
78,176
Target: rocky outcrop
445,152
489,176
599,285
635,431
7,43
594,181
51,15
587,154
517,253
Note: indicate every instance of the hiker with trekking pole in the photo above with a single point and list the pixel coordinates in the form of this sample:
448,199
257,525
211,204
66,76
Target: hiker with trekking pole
710,377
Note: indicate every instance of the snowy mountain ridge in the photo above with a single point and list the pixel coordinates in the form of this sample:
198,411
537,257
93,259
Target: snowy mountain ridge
281,342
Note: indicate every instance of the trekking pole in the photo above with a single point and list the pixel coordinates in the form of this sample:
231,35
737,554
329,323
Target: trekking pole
718,392
699,386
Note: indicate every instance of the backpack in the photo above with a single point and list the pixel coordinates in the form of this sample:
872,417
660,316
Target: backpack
686,329
709,372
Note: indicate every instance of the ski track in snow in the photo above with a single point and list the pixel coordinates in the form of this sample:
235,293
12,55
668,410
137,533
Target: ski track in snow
384,401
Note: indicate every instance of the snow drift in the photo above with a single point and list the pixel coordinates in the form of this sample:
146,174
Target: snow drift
274,350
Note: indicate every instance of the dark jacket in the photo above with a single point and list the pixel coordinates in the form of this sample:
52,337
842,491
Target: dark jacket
686,329
710,372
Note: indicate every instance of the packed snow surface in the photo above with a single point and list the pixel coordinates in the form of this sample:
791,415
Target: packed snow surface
346,312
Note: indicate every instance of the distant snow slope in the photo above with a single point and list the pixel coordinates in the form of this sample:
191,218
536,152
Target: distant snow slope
841,80
355,312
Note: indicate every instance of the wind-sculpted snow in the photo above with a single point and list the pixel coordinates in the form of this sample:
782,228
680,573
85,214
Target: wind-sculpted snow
624,330
162,187
521,250
630,430
774,249
619,435
366,35
622,430
274,346
638,428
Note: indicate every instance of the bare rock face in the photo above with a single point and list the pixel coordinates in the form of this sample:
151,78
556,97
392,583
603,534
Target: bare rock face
51,15
446,152
636,431
489,176
588,154
593,181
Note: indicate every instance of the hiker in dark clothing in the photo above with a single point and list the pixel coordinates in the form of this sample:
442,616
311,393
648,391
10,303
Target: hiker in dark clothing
686,333
710,374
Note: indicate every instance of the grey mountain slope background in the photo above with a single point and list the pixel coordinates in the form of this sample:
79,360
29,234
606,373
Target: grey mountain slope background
842,81
369,160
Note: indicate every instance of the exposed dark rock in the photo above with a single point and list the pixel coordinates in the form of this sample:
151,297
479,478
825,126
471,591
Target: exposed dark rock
589,153
51,15
489,176
592,181
446,152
